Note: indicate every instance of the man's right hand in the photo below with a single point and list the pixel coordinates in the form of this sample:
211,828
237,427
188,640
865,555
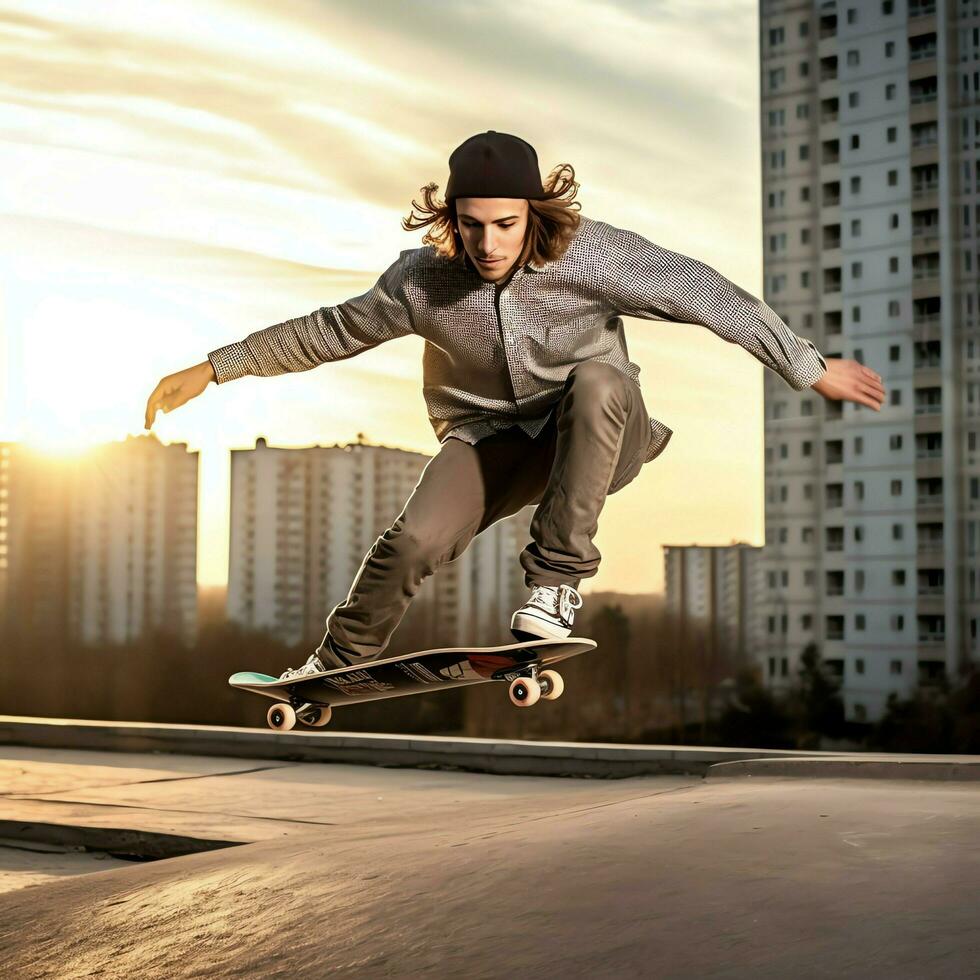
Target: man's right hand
175,389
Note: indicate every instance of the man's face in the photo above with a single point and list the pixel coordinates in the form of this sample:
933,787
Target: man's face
492,228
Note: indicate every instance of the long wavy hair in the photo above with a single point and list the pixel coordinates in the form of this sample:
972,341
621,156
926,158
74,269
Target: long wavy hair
551,221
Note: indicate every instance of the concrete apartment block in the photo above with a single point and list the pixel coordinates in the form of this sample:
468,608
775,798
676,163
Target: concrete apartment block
100,547
870,126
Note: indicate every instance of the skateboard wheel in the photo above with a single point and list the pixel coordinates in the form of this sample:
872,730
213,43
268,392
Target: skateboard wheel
319,717
524,691
281,716
554,684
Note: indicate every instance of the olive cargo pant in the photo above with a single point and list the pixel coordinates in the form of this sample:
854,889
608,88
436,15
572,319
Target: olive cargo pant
594,443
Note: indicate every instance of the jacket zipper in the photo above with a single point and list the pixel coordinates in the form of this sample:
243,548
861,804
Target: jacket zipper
497,289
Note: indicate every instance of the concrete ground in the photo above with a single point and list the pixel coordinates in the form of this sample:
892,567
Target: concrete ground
372,872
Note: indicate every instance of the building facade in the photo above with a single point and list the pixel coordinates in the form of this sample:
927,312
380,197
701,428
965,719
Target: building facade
715,587
101,547
870,122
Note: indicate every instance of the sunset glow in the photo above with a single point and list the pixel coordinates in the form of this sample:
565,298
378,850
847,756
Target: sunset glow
175,176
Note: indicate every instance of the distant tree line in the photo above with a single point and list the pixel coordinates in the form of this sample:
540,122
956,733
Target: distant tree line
652,679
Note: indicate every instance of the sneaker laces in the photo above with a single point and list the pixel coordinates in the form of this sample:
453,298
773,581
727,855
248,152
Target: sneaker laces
559,600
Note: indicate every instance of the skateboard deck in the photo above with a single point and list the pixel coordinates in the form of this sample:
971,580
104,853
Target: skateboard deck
311,698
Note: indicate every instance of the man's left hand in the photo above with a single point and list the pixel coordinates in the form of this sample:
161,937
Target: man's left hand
851,381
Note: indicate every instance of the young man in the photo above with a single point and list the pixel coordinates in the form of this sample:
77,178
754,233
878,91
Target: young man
526,376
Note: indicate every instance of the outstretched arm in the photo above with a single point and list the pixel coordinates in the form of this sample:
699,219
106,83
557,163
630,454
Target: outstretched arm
644,280
331,333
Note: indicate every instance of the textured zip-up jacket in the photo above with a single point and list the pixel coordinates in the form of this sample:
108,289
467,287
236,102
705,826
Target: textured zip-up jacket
496,355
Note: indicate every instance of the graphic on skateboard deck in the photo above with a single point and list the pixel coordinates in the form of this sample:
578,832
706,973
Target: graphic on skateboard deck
311,698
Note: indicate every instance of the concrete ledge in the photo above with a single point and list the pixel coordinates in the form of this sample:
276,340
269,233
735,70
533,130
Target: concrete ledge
583,759
944,768
596,760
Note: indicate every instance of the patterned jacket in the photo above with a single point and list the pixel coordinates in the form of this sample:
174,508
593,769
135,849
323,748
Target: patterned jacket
496,356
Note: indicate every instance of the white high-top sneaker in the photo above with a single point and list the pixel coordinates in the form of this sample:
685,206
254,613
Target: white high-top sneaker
549,612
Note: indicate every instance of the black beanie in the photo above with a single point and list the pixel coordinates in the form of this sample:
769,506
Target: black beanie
494,164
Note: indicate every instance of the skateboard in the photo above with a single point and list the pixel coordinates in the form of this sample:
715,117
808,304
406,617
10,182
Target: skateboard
312,698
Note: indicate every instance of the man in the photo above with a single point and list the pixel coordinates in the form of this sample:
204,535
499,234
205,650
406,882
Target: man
526,377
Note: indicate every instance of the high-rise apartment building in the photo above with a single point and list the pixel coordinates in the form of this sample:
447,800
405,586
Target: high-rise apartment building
34,555
870,118
302,521
711,588
101,547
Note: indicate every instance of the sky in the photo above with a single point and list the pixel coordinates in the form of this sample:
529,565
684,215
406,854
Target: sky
174,176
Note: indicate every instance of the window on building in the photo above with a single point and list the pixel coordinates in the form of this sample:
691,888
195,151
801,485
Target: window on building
892,134
855,227
853,100
896,666
889,49
859,489
855,141
890,91
852,15
896,486
898,532
892,178
894,221
776,36
859,664
853,57
855,185
898,576
894,309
